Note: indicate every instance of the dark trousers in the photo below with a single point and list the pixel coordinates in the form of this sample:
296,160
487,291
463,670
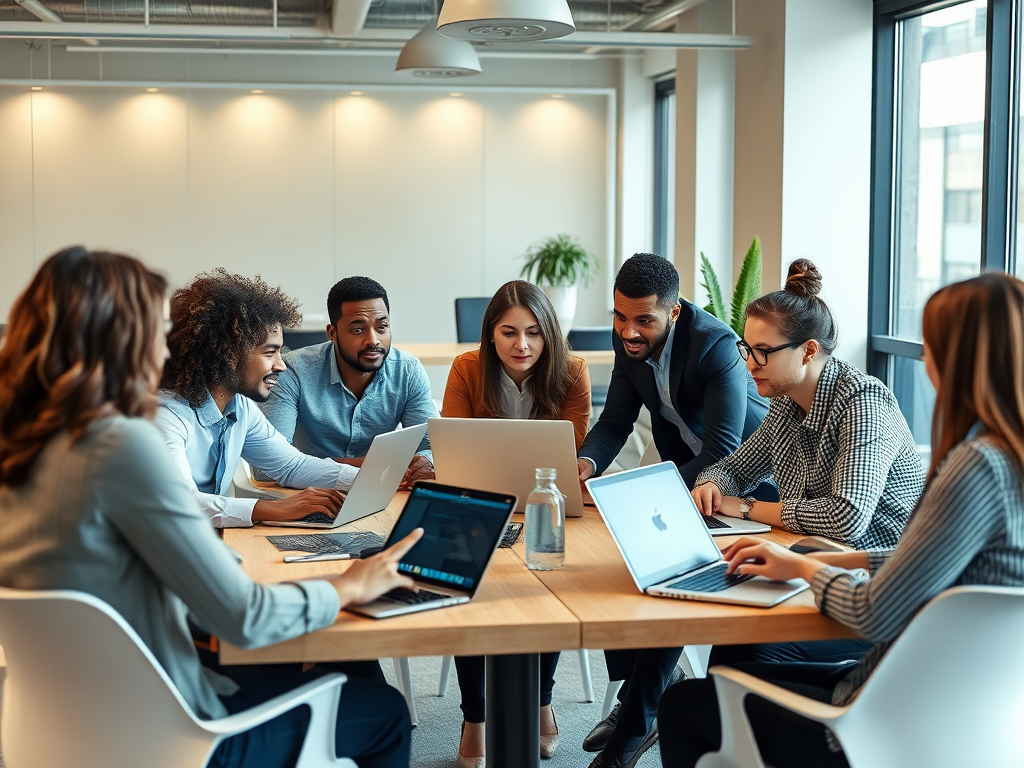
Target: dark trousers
646,672
373,726
690,726
470,670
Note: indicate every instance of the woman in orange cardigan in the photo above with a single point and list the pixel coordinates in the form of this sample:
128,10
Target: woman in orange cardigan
523,370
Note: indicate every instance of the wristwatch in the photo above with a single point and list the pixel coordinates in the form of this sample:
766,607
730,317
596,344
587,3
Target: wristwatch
746,505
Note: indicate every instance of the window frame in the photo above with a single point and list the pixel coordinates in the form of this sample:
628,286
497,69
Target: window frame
999,171
663,90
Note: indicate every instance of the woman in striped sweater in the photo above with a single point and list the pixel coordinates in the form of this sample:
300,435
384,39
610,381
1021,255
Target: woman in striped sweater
968,528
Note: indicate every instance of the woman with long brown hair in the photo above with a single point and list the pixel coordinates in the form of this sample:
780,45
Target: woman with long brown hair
87,502
523,370
968,528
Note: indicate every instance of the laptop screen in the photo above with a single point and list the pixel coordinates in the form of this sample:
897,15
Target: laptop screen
461,529
654,522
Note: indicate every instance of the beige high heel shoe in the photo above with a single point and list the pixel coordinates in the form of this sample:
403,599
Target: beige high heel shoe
473,762
548,744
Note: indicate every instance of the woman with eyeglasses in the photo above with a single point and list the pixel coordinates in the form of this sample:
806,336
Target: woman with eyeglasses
834,442
968,529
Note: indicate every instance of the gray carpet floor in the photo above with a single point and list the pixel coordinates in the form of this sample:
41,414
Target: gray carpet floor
436,739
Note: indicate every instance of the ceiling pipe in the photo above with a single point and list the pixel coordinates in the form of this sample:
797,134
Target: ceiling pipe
186,32
349,16
39,10
661,17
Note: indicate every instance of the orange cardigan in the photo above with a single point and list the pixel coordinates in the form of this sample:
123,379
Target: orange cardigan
464,395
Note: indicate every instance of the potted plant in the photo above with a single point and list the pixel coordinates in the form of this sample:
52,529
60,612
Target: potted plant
748,288
558,264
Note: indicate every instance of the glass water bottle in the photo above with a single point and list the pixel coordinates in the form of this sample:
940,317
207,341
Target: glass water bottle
545,524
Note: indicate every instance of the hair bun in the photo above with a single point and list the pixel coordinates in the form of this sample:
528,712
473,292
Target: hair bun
804,279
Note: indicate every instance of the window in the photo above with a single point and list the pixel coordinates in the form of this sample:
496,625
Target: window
664,167
946,103
941,111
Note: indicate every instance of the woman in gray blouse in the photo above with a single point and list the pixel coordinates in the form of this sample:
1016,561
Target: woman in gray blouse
834,441
87,502
967,529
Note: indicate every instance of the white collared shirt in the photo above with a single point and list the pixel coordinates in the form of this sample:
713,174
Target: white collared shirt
662,370
515,403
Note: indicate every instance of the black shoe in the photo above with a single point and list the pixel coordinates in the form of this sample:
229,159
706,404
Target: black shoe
598,737
612,757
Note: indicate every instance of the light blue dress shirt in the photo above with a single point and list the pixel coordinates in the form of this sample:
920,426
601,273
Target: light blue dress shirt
662,376
313,409
206,444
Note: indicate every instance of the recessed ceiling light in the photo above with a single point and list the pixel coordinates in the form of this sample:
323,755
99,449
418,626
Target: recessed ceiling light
257,91
557,95
356,93
455,95
152,90
37,87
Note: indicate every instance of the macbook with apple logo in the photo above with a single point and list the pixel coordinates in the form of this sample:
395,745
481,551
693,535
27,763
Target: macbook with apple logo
667,547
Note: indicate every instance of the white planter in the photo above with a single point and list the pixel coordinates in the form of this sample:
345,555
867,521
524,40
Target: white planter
563,299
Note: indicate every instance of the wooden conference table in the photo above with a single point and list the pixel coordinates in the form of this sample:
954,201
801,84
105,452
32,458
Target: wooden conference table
444,353
517,614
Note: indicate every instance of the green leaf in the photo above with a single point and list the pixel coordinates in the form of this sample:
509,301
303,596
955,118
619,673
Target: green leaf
748,286
559,261
714,290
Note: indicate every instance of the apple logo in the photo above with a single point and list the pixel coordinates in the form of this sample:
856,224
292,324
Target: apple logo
385,472
658,522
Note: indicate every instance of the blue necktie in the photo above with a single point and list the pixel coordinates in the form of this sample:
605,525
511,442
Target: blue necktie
224,425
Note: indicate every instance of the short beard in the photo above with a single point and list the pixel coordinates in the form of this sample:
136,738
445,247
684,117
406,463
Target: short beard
659,343
353,362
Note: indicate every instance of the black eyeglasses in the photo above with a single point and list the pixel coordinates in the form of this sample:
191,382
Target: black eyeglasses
761,355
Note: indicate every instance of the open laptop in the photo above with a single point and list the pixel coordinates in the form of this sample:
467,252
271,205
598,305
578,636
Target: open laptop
719,525
504,454
376,482
668,550
461,530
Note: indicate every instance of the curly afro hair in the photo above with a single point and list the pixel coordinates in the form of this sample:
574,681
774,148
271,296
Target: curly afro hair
218,320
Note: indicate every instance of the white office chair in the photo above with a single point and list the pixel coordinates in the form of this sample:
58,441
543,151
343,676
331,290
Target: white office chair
912,710
82,689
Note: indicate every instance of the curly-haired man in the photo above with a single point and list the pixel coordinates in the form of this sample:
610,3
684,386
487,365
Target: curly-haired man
225,356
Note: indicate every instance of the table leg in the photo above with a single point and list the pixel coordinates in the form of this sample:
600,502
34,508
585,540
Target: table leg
513,711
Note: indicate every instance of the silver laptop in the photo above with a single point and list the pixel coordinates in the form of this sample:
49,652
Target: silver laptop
667,548
504,454
719,525
461,531
376,481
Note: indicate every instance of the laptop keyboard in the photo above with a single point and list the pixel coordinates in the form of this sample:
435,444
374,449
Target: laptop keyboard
714,522
711,580
317,517
408,597
511,534
327,543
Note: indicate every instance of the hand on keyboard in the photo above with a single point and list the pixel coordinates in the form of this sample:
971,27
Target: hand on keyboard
368,579
757,557
325,501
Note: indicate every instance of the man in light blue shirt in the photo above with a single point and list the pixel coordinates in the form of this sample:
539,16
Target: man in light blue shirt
225,355
337,396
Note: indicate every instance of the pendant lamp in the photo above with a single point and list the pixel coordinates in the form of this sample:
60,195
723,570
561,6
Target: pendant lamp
430,55
505,20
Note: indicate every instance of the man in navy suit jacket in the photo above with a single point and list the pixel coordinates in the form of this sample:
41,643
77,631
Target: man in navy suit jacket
681,363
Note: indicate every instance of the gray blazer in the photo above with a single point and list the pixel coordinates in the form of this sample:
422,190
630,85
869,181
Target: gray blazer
110,516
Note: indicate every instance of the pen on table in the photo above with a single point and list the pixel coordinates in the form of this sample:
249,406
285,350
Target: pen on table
315,556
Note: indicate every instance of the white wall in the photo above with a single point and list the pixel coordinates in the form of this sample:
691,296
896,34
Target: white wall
434,196
827,156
